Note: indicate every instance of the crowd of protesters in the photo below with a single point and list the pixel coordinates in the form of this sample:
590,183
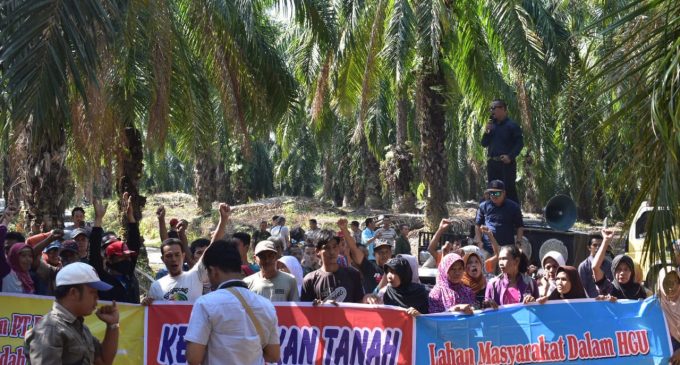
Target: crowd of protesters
373,265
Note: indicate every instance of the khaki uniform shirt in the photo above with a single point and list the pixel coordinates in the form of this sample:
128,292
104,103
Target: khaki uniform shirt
61,338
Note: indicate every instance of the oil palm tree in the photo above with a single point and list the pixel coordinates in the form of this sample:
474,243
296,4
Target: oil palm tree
111,74
637,77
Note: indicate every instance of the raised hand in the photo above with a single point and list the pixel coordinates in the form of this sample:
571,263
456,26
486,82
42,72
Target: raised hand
182,225
160,213
342,224
99,209
225,211
129,209
445,224
108,313
607,234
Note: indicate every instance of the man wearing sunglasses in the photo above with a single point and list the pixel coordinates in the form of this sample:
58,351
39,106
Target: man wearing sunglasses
504,141
503,217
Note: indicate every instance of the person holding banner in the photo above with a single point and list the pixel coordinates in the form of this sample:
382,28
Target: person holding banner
474,274
230,325
402,291
61,337
513,285
552,261
449,293
567,286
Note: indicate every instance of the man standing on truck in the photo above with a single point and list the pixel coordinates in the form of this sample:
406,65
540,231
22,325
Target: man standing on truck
502,216
504,141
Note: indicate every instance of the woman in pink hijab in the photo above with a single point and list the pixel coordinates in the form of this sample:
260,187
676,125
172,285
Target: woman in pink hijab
19,279
449,292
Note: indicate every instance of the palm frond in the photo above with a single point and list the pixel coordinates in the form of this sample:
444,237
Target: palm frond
49,44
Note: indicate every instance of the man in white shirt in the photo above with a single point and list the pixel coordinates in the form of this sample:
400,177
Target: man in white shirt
270,283
178,285
230,325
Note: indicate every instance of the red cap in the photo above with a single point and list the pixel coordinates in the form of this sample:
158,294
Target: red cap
119,248
173,222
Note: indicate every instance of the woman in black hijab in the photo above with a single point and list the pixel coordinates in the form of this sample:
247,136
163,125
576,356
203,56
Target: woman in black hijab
623,286
402,292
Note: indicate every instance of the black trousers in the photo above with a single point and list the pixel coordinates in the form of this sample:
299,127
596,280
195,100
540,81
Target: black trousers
507,173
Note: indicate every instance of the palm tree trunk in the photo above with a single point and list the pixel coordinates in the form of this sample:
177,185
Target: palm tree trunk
130,169
404,201
48,184
371,177
327,175
432,122
402,119
205,182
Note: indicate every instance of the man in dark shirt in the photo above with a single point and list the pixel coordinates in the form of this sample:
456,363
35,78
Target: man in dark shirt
504,141
502,216
262,234
371,271
121,258
331,282
403,246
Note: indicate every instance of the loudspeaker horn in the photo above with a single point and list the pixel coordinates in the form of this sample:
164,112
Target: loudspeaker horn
560,213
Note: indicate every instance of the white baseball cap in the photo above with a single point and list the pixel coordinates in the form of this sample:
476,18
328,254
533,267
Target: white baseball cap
81,273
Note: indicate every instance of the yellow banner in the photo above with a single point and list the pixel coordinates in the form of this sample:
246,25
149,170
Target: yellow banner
18,313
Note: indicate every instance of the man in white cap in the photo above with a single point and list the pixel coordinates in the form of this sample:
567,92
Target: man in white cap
61,337
270,283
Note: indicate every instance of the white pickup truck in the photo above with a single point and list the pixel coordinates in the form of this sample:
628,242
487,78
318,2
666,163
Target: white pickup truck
636,239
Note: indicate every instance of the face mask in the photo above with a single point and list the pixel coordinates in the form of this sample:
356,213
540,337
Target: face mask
123,267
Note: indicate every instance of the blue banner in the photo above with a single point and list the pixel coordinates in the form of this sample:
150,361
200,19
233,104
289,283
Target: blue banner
626,332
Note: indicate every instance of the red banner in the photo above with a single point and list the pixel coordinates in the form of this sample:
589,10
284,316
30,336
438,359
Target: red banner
348,334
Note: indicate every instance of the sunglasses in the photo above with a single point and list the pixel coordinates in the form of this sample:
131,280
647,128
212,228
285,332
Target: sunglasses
495,194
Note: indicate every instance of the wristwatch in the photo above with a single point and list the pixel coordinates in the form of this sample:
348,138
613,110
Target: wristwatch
113,326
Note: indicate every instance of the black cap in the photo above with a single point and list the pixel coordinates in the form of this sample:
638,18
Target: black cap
495,185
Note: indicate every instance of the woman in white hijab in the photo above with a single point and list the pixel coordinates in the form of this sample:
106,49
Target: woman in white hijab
551,261
669,296
291,265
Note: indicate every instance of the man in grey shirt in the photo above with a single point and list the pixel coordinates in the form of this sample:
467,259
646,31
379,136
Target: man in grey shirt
270,283
585,269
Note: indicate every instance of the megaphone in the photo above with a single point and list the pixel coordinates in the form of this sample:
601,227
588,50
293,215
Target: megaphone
560,213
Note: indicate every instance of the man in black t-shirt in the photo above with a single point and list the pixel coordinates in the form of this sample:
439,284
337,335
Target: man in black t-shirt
331,282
